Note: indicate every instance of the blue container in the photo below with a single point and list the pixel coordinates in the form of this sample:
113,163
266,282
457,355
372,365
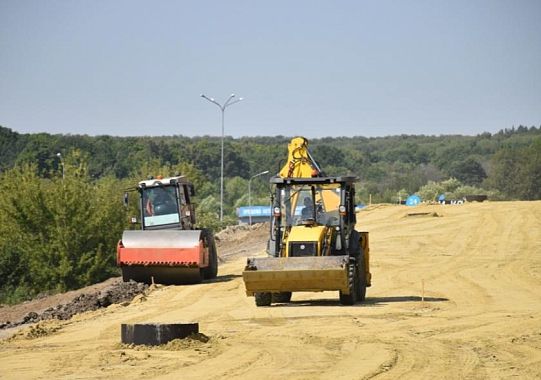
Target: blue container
413,200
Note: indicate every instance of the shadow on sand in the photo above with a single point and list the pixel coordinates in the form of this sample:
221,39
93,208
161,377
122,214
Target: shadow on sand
224,278
384,300
368,302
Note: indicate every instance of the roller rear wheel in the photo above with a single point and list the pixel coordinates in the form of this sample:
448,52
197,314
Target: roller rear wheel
212,270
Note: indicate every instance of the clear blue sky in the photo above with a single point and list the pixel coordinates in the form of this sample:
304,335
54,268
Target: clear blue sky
314,68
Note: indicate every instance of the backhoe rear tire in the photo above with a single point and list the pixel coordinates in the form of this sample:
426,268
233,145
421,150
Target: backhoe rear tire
263,299
361,279
351,298
282,297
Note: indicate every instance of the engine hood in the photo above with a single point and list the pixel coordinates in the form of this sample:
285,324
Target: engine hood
306,234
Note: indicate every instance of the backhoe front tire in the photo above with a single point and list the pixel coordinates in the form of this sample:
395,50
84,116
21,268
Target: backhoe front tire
263,299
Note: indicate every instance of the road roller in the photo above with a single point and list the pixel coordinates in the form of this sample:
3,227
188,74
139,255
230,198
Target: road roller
167,249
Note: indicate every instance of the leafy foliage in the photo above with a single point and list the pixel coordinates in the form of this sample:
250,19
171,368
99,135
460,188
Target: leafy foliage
516,171
56,234
469,171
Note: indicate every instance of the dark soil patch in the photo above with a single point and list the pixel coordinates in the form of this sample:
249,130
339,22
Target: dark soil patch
87,299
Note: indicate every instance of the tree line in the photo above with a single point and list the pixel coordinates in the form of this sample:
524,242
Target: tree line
61,216
507,161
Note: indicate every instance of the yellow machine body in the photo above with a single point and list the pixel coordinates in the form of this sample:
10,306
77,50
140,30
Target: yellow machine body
307,273
302,237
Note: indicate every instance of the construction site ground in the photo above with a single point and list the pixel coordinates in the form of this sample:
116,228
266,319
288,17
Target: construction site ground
477,266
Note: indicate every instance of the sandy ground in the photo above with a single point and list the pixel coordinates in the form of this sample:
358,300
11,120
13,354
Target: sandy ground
481,316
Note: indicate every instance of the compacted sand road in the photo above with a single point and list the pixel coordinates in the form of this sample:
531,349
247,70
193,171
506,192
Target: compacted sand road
481,316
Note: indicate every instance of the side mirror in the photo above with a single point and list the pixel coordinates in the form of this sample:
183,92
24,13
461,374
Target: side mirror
126,199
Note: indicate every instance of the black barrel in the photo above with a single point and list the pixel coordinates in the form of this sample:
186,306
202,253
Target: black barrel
154,334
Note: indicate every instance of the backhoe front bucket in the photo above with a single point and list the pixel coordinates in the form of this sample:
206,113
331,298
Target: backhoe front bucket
165,257
288,274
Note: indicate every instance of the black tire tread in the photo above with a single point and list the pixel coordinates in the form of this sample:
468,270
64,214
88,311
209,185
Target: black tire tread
361,282
263,299
211,271
349,299
282,297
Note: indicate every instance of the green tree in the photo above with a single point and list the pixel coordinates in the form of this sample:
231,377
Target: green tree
468,171
516,171
57,234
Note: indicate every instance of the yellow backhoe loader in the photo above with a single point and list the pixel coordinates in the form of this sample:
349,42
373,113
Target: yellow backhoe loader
313,243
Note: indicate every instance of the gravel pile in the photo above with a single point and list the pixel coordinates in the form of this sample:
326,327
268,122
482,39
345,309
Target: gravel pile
232,232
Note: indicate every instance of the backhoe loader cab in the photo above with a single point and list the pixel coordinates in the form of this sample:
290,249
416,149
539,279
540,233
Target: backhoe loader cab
322,203
168,249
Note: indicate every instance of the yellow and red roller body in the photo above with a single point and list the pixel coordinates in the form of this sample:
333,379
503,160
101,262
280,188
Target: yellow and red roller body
172,248
196,256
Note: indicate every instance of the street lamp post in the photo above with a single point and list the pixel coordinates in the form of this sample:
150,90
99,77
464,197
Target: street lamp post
250,195
227,103
59,155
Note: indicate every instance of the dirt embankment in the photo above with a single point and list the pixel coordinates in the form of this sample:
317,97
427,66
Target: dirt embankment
456,294
66,305
63,306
